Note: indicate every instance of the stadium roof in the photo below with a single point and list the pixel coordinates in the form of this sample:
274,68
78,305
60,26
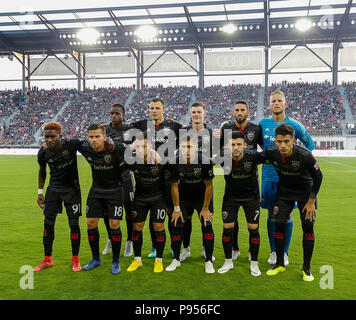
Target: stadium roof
46,26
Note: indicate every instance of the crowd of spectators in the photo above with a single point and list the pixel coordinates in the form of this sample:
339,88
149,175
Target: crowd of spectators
220,100
351,95
318,106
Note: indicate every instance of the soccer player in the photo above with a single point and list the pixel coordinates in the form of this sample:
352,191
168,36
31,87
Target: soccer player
270,178
116,131
61,157
204,136
106,193
162,129
149,196
241,190
192,189
253,138
299,181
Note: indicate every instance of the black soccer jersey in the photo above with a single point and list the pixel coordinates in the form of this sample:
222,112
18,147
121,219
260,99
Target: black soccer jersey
149,180
205,139
241,177
120,136
161,133
62,164
299,175
106,170
252,132
191,177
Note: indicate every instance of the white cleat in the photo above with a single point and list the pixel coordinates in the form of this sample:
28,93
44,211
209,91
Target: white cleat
107,249
185,254
272,258
128,248
235,254
209,268
204,256
228,265
286,259
174,265
255,271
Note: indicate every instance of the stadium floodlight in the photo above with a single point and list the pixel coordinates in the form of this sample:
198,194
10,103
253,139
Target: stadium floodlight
303,24
88,35
229,28
146,32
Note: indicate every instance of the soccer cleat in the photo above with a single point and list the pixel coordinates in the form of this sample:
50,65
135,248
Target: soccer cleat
204,255
286,259
158,267
76,264
228,265
136,263
185,254
174,265
128,248
107,249
153,253
307,276
275,270
255,270
115,267
235,254
272,258
209,268
94,263
46,263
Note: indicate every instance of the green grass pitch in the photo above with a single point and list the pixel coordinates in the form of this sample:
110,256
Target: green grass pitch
21,223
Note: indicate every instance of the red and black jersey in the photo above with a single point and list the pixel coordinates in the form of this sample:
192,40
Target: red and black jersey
241,177
62,163
252,132
299,175
106,170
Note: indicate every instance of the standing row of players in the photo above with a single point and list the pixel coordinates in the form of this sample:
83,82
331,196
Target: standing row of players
290,176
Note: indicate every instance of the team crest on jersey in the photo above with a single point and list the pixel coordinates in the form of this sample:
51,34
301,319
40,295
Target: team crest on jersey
295,165
206,139
126,136
248,166
275,210
166,131
107,158
133,214
154,171
224,215
197,172
66,154
250,135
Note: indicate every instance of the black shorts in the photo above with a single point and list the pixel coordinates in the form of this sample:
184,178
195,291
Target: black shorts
188,206
283,209
157,210
97,207
72,201
230,209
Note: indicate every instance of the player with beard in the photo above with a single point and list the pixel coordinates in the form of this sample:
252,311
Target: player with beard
61,157
270,177
205,142
163,129
106,193
116,131
252,133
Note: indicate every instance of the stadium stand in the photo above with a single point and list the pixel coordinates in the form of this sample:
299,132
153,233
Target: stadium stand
351,94
316,105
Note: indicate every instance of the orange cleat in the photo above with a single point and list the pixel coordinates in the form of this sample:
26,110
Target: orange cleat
76,264
46,263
